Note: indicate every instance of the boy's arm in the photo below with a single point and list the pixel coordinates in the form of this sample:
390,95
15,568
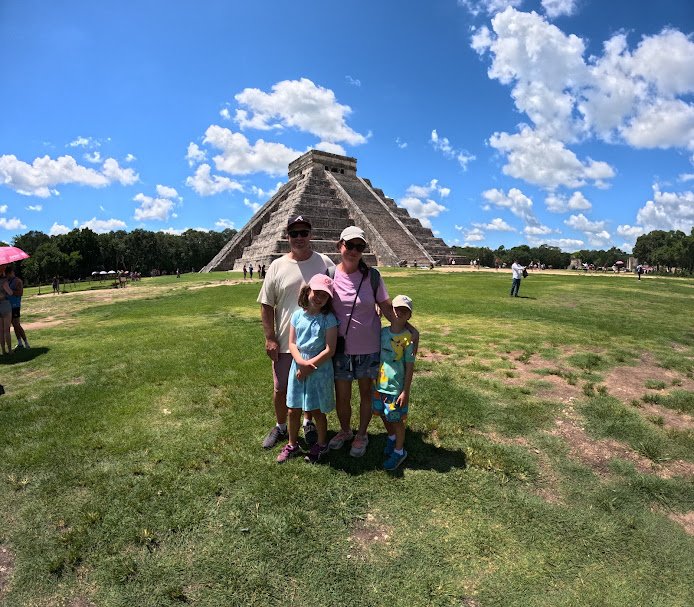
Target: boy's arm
404,397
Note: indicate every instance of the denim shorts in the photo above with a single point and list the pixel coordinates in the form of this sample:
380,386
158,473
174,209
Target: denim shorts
356,366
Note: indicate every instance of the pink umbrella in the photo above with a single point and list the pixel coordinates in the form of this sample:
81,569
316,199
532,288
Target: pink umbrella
10,254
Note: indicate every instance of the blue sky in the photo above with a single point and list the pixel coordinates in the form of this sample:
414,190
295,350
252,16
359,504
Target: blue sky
567,122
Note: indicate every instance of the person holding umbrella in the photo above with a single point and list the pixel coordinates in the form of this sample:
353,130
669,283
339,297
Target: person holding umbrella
7,255
17,286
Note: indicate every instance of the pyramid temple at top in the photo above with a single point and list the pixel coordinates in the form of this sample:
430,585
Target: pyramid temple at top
326,189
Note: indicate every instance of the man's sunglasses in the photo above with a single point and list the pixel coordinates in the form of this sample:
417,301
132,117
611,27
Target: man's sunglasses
359,246
297,233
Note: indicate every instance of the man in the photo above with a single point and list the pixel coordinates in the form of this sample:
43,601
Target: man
278,300
17,287
639,271
517,270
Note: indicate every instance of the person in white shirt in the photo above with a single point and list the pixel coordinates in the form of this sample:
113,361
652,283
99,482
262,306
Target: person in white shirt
517,270
278,299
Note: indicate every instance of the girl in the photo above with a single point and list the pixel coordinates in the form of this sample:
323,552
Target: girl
312,337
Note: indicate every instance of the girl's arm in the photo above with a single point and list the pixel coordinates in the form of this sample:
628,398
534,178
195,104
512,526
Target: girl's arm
329,351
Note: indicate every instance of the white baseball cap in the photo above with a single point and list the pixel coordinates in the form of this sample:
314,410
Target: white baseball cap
402,301
352,233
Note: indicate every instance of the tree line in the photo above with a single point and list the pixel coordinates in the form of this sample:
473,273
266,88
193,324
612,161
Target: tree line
671,251
82,251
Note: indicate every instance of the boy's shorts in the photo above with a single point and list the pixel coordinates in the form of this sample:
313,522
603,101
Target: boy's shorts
384,404
16,312
349,367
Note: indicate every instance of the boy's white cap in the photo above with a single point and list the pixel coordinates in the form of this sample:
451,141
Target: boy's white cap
352,232
402,301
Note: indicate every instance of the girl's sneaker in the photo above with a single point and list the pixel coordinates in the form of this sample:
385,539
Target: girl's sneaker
390,447
287,452
316,452
340,439
394,460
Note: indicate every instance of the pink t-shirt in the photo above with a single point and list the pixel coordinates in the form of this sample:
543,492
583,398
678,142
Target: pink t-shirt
364,335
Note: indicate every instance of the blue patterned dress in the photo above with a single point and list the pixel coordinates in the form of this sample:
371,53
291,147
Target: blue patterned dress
317,391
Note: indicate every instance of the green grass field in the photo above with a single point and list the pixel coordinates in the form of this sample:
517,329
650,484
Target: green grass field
551,447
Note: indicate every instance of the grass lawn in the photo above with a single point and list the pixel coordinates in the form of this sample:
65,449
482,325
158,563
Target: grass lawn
551,447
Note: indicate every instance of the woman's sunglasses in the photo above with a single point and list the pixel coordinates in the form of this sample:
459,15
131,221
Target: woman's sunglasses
297,233
359,246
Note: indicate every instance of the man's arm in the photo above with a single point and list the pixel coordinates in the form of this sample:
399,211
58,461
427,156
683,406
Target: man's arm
18,287
267,315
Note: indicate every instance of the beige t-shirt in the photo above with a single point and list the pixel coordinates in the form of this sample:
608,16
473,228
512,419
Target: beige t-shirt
281,287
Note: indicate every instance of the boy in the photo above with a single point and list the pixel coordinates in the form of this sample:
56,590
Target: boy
392,388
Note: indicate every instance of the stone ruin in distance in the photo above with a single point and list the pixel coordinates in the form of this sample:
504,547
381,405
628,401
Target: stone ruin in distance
326,189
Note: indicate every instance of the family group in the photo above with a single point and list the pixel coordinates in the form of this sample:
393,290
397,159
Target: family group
322,325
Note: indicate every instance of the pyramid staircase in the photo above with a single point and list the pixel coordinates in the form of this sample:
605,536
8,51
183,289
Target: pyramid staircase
326,189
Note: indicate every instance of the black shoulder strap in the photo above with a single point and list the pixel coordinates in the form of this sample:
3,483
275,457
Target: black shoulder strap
375,277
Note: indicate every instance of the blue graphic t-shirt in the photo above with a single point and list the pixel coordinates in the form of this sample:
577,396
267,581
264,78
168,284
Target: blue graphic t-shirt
396,350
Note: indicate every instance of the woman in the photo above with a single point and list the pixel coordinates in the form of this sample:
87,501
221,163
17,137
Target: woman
357,289
5,313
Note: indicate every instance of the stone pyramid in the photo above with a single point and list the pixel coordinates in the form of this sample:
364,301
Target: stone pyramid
326,189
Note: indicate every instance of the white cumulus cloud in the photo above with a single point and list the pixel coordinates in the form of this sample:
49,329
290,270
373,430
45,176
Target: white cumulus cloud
423,191
32,207
152,208
194,154
495,225
164,191
224,224
668,211
332,148
101,226
253,206
558,8
299,104
594,230
423,210
515,201
57,229
560,204
11,224
490,7
207,185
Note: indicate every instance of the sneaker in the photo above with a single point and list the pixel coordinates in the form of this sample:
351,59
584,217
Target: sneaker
359,445
273,437
340,439
390,447
316,452
287,452
310,433
394,460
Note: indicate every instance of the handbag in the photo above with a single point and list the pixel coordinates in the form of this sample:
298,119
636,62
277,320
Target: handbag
341,342
525,273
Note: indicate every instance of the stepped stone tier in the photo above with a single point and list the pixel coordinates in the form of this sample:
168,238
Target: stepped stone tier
326,189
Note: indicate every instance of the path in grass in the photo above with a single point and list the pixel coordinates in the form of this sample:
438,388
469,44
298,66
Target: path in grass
551,453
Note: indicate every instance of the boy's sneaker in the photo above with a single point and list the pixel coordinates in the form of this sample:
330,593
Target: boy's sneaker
273,437
390,447
394,460
287,452
359,445
316,452
310,433
340,439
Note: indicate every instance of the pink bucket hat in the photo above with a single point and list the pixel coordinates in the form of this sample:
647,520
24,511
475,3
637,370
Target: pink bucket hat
322,282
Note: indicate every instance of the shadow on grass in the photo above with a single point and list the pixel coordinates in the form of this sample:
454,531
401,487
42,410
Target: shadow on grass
22,356
421,455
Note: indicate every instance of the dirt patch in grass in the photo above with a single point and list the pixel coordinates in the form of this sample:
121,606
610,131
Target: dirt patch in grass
7,564
425,354
80,601
367,532
560,390
51,321
629,383
686,520
218,284
671,419
598,453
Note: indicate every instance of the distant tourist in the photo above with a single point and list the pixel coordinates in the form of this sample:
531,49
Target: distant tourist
517,271
639,271
311,385
17,285
250,270
278,300
56,285
262,272
5,313
245,271
356,291
178,273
